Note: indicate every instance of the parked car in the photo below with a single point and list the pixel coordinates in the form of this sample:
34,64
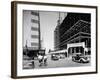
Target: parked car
54,57
80,58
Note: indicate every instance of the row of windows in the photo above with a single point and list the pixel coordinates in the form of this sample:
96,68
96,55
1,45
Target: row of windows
34,44
86,40
34,36
75,29
35,13
34,21
86,29
34,29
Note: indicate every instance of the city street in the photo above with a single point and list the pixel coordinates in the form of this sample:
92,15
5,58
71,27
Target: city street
66,62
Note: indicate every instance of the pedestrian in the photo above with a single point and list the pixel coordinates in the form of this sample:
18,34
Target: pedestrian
40,58
33,65
45,60
32,60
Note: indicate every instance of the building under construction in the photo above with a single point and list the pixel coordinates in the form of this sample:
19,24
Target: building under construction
75,28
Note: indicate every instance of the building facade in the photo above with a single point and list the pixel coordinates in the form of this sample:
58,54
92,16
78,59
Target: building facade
61,17
56,36
31,29
31,33
75,28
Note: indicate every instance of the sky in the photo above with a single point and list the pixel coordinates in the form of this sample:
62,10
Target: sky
48,23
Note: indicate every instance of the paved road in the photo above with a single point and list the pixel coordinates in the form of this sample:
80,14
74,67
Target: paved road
66,62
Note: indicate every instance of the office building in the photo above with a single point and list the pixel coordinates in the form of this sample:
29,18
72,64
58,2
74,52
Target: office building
31,29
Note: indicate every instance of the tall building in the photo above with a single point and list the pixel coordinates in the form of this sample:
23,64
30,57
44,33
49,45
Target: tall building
31,30
35,30
75,28
56,36
61,17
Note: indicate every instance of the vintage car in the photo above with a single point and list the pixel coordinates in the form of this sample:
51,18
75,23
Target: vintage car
54,57
81,58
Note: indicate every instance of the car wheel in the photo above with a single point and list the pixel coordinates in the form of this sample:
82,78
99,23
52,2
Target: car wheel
73,59
81,61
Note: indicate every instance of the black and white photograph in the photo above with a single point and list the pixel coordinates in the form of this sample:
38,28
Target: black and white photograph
53,39
56,39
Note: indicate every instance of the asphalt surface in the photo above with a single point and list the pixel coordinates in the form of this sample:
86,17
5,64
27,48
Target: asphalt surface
66,62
